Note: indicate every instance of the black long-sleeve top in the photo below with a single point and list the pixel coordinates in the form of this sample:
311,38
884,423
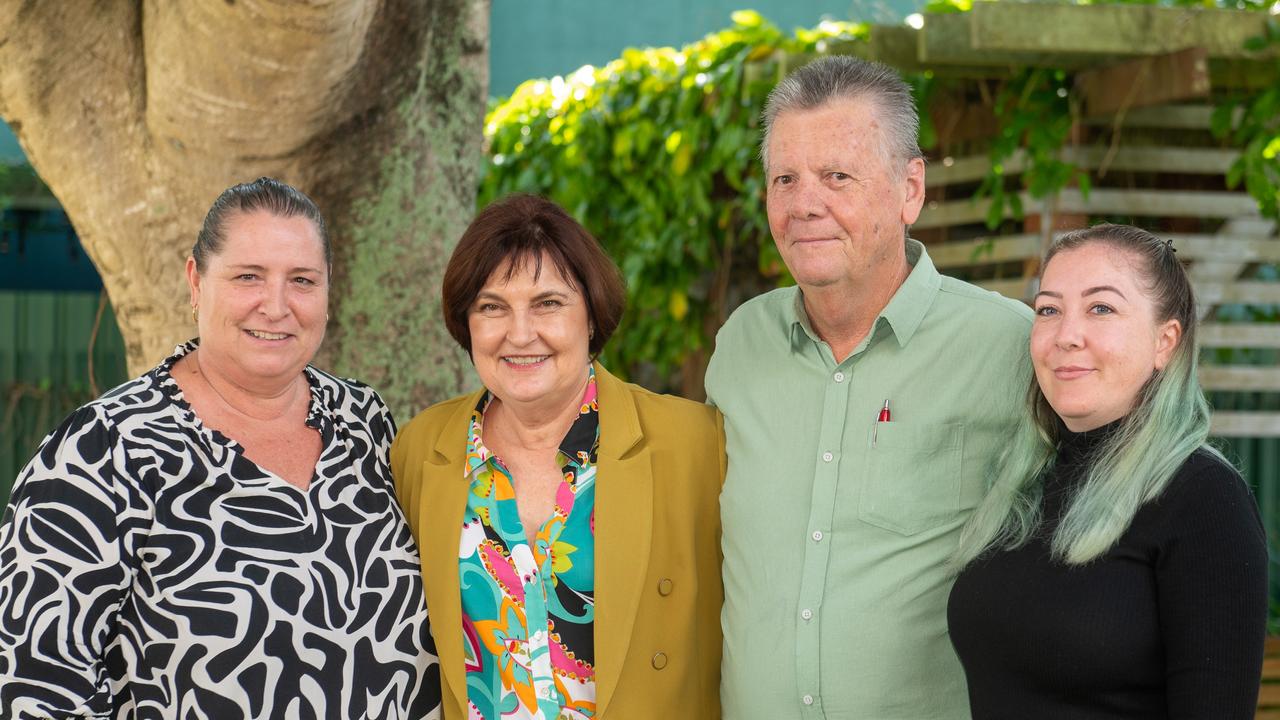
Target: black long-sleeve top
1169,623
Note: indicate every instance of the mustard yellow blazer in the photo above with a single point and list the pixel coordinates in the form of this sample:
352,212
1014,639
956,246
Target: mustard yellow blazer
659,469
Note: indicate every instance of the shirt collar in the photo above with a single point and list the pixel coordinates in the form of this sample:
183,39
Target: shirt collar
905,310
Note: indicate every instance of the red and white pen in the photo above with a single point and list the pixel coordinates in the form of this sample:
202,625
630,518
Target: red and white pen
882,418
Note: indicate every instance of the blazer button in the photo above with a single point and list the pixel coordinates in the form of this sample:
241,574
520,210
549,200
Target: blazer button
659,661
664,586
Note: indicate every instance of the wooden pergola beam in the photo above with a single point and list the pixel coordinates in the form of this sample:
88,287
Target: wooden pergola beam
1122,30
1239,335
1156,203
1102,201
1146,81
966,253
947,39
1234,423
1240,378
1188,160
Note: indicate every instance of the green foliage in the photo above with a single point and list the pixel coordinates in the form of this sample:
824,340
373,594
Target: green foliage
1253,124
656,153
20,181
943,7
1035,113
922,89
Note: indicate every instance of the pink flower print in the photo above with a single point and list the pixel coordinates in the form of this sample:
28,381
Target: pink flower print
500,567
564,500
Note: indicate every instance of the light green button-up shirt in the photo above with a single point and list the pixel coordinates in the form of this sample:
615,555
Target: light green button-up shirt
835,531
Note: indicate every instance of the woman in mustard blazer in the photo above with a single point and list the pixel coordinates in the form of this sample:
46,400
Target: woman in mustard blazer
568,522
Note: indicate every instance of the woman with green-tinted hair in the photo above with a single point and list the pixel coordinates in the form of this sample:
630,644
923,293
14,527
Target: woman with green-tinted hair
1118,567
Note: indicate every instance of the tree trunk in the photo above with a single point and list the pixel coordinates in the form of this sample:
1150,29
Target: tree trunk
138,114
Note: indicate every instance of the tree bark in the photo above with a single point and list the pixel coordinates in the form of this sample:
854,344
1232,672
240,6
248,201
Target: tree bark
138,114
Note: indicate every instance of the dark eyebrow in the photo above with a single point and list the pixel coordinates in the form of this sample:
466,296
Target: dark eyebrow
540,296
1090,291
549,294
261,269
1102,288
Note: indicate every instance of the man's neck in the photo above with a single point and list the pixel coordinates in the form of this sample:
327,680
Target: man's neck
843,316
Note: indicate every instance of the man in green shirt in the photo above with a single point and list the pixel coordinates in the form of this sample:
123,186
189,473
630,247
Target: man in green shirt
863,411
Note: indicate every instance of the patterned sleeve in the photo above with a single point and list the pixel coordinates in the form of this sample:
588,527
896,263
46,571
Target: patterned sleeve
384,425
62,577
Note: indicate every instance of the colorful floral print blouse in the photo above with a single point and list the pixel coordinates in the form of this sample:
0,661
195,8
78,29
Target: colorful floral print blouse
528,612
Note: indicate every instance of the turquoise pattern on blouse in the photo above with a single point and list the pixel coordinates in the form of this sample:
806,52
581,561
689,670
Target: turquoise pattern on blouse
528,612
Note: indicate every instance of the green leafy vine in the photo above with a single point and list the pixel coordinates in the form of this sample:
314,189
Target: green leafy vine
1252,123
1035,113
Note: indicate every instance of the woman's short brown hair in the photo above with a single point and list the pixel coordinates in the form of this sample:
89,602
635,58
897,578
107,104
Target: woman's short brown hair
524,228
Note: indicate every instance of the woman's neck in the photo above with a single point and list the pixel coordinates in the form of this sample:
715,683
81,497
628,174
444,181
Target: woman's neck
540,425
264,400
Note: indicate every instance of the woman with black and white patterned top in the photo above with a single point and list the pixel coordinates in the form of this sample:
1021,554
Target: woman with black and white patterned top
219,538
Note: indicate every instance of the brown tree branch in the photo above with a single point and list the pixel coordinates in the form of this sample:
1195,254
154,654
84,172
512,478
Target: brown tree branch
251,79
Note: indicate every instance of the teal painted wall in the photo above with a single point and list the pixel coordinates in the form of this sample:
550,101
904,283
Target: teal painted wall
10,151
542,38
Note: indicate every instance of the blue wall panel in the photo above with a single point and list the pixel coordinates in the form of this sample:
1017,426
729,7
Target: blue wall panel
542,38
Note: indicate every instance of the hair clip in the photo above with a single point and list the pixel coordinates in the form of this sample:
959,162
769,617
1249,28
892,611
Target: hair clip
1168,243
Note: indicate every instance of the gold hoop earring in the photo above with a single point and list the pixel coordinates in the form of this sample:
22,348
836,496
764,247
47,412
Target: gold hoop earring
195,314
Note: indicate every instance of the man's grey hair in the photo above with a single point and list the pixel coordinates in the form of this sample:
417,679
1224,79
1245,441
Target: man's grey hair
836,77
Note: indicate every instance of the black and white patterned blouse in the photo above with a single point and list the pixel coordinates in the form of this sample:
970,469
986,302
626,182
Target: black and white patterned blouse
149,570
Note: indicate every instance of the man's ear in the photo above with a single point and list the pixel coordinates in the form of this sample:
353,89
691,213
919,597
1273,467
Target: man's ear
913,197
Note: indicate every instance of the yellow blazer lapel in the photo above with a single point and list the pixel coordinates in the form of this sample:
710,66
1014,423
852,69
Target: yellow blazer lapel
444,498
624,524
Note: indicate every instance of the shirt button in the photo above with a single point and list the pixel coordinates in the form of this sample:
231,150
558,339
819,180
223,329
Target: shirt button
807,699
839,377
807,614
665,586
817,536
827,457
659,661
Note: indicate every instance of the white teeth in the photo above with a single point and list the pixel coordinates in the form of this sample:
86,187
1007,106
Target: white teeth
526,360
267,335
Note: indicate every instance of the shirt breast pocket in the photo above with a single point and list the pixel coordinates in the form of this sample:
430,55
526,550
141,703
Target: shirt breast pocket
912,478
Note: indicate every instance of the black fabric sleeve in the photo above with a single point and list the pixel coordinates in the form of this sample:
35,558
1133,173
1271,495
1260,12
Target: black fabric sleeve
1212,589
